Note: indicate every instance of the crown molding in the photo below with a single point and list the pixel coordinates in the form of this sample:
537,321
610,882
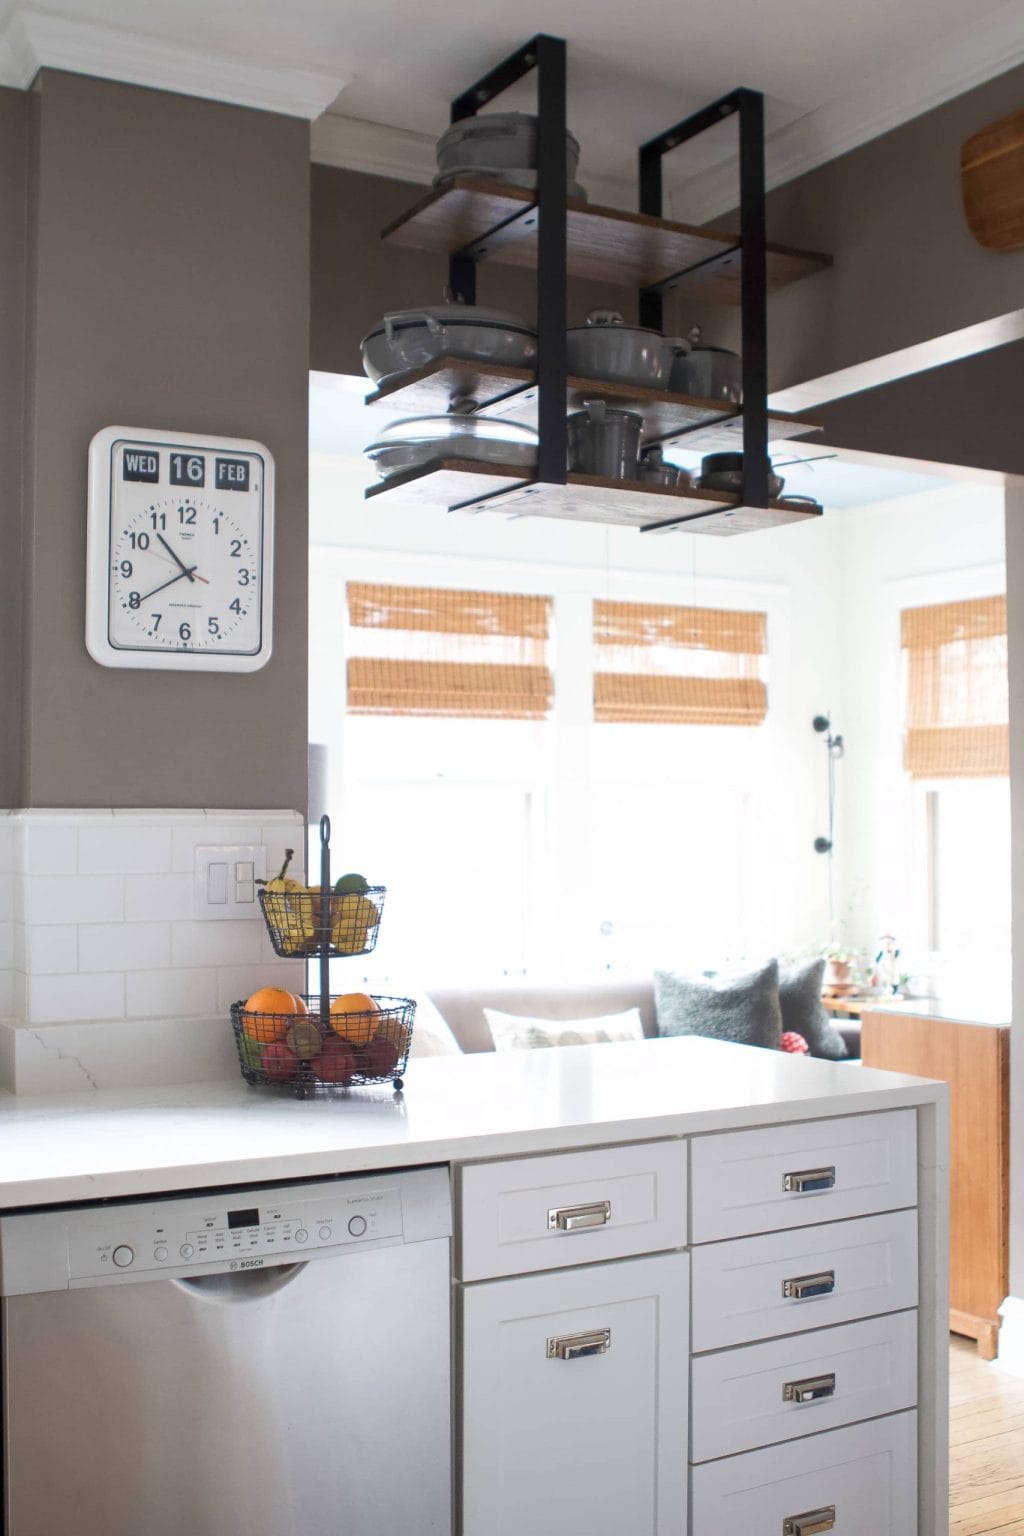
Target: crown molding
968,58
34,40
350,144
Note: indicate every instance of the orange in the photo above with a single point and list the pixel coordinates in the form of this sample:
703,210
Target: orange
267,1013
352,1017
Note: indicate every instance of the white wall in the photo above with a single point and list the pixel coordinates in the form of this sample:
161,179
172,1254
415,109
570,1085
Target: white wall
940,547
791,572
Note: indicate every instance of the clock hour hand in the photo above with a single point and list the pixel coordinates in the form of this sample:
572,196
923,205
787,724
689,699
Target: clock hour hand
177,559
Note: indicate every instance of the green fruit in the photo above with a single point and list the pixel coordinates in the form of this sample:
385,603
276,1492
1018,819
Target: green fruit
351,884
252,1052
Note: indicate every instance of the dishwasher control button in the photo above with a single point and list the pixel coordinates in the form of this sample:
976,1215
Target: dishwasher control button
160,1254
357,1225
186,1250
123,1256
325,1233
301,1235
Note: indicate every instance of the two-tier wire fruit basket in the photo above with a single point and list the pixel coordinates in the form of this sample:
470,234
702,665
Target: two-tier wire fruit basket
313,1042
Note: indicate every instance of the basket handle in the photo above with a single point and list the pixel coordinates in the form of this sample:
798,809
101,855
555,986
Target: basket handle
325,919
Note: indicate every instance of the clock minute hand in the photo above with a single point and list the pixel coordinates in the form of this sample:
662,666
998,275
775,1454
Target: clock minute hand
146,595
176,558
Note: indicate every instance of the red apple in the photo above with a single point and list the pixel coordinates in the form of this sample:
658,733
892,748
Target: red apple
380,1057
279,1062
335,1063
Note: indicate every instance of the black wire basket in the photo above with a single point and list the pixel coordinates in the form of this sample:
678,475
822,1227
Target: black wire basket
298,925
303,1052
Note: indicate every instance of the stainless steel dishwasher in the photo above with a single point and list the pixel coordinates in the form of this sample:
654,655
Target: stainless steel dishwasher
269,1362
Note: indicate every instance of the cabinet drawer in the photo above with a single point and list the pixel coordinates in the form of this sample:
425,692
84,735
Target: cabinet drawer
574,1402
576,1208
860,1481
791,1175
786,1282
762,1393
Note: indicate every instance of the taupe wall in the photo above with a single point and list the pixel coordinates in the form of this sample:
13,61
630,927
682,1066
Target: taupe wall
14,143
169,278
966,413
356,278
907,268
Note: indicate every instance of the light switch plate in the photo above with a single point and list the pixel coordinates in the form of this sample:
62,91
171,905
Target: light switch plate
225,880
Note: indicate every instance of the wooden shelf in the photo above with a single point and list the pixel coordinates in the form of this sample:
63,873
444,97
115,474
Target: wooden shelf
512,394
633,250
461,485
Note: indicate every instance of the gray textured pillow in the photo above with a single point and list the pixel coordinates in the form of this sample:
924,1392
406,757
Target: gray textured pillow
802,1011
740,1008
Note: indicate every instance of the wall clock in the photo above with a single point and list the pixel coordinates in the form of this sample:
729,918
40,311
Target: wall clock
180,551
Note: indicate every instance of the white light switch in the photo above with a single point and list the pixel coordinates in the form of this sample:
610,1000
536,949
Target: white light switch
225,879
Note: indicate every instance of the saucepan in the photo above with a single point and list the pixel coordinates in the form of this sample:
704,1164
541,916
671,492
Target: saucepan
712,373
607,348
604,441
416,440
502,145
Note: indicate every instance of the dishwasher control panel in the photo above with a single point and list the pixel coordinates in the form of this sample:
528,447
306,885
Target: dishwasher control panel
234,1232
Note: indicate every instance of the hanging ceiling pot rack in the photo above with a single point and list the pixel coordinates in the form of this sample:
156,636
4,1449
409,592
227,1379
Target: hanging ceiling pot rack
476,220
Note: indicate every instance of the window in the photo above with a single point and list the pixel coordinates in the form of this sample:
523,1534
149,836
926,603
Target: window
552,782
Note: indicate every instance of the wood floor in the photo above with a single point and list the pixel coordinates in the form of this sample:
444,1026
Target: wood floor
986,1459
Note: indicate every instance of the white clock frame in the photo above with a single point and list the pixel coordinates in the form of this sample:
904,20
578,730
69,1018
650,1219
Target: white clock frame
105,494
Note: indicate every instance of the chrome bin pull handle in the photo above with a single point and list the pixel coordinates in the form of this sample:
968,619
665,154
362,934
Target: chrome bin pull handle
575,1346
810,1523
809,1180
576,1218
801,1287
810,1389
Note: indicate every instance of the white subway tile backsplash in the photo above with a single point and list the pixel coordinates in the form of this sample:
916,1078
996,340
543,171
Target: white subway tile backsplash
8,824
126,848
8,904
52,899
59,999
52,949
49,848
158,898
185,840
164,994
7,932
6,994
124,946
223,943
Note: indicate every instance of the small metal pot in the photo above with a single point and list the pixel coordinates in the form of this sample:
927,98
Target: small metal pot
653,469
724,472
411,338
496,141
607,348
711,373
605,442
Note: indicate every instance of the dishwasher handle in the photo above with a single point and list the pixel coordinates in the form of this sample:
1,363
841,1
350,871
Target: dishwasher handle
239,1285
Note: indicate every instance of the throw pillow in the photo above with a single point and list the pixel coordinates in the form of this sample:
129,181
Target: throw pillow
431,1034
744,1009
802,1011
517,1032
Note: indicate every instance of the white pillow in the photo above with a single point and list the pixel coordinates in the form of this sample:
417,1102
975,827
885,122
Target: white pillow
516,1032
431,1035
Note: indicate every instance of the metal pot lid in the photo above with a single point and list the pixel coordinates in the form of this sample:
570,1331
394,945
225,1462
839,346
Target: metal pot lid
493,122
697,345
433,429
723,464
611,320
452,314
599,413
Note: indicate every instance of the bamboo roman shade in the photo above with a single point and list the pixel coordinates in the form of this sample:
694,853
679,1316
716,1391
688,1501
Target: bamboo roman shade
957,691
436,651
659,664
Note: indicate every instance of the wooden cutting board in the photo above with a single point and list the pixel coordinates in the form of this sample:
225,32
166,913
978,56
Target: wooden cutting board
992,179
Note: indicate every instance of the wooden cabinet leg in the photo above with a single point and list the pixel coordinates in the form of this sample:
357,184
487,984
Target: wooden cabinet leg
988,1341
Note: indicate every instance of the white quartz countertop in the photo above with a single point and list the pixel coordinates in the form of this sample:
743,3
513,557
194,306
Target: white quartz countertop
72,1147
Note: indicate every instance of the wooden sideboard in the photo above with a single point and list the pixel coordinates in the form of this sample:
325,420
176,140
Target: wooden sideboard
973,1058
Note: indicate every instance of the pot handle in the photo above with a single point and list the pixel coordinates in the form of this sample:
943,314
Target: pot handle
431,322
605,317
680,347
596,410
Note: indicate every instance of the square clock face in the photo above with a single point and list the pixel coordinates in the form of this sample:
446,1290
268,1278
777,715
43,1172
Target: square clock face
180,551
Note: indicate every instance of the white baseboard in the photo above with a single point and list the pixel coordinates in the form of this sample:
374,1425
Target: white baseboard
1011,1336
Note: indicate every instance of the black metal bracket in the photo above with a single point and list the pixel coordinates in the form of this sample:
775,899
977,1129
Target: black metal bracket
749,107
546,55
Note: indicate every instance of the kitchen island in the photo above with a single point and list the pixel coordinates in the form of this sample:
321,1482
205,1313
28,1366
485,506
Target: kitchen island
771,1211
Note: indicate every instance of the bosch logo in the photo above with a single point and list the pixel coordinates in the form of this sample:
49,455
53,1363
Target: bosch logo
249,1264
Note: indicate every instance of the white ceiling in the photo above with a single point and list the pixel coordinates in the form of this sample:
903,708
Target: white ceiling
833,75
